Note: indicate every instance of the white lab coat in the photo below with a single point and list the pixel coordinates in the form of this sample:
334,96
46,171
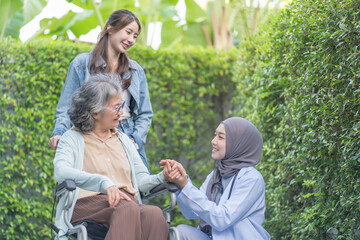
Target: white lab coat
237,218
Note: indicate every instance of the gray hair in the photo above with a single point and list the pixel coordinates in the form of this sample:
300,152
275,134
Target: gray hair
92,97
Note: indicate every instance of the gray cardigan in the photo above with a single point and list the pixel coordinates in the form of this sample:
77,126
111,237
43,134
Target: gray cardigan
68,164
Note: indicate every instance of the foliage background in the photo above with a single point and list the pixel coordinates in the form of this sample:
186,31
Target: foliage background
301,87
297,80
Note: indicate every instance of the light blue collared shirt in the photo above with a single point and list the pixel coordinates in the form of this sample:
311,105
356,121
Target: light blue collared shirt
239,217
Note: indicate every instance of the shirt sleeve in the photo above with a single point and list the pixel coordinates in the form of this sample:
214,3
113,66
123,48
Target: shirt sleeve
143,118
185,210
145,181
62,120
243,202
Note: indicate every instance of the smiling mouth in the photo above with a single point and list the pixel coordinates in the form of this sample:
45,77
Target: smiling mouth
125,46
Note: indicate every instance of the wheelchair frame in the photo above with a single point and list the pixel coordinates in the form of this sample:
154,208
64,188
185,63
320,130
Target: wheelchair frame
80,229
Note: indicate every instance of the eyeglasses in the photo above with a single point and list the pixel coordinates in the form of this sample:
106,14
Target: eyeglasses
116,110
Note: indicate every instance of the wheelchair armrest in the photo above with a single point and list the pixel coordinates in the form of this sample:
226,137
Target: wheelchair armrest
160,189
67,185
170,187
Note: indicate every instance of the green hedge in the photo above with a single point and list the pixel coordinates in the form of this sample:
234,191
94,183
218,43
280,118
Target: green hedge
31,78
301,88
297,80
189,89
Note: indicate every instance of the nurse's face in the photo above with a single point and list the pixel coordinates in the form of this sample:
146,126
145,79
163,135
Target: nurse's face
219,143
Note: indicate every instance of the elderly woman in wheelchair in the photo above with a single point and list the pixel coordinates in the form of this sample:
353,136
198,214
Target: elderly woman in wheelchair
106,168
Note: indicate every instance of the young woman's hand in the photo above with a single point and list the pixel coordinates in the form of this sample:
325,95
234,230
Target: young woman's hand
115,195
53,142
174,172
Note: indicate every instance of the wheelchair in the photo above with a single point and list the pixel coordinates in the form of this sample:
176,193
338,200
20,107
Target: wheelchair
89,230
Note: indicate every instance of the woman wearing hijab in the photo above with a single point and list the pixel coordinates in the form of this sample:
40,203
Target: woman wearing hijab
231,201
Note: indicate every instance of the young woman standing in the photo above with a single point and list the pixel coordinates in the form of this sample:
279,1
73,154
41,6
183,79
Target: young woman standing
109,56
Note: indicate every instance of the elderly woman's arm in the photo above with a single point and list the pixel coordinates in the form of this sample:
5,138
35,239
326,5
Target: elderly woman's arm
145,181
65,166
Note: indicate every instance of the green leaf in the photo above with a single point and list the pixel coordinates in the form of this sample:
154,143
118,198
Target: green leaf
194,34
32,8
14,14
83,22
84,4
168,13
58,26
194,13
170,33
109,6
8,10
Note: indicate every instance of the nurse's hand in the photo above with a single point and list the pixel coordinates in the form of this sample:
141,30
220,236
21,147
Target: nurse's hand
167,168
53,142
174,172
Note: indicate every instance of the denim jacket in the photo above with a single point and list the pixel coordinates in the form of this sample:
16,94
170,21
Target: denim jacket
140,105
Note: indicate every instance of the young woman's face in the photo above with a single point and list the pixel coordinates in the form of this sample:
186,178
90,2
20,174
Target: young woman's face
219,143
110,118
122,40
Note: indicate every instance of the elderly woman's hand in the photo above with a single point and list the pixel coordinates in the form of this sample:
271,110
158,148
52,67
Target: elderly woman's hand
167,168
115,195
174,172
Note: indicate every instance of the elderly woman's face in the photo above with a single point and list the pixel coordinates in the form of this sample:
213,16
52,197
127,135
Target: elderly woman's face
110,117
219,143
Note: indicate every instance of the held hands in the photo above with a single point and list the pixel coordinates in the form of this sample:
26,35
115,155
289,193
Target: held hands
115,195
174,172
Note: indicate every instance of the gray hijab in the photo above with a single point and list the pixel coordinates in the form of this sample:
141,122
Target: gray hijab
243,148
